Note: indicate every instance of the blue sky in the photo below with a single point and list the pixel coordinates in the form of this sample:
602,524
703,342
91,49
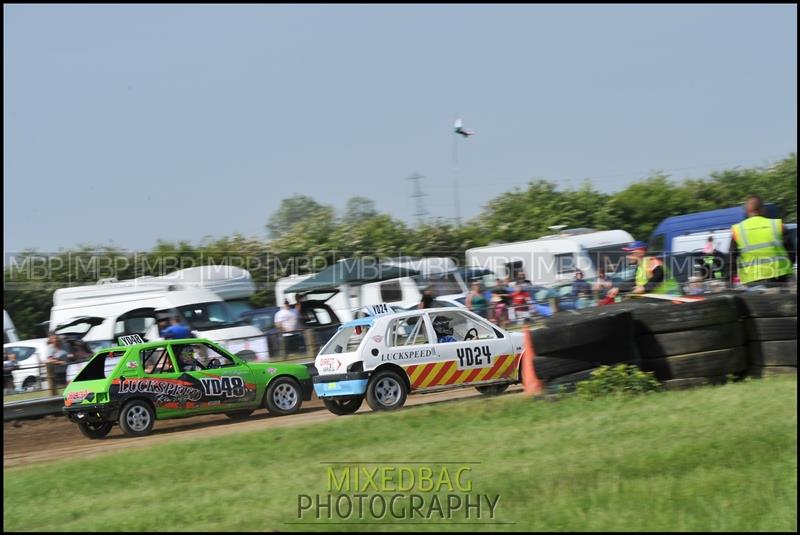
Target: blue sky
129,124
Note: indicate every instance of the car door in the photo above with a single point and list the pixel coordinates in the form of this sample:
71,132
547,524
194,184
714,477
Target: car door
474,350
409,344
154,375
226,382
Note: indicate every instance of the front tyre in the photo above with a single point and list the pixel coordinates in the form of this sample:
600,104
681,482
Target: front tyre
94,429
284,396
386,391
343,406
492,390
137,418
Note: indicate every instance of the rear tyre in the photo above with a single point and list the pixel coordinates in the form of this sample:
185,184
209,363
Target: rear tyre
386,391
29,384
94,430
343,406
137,418
239,415
492,390
284,396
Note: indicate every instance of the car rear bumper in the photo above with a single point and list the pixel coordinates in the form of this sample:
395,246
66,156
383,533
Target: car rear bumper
98,412
307,386
342,384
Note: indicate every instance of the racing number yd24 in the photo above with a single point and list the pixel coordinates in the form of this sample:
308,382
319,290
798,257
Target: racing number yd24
469,357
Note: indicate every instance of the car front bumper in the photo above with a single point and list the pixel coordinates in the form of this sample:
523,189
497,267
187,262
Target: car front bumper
341,385
95,413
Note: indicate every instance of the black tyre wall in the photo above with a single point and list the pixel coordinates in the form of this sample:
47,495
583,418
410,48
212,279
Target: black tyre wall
773,353
691,341
769,305
653,318
720,362
772,328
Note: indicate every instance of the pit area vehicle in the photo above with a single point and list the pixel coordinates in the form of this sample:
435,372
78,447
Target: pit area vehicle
135,385
384,357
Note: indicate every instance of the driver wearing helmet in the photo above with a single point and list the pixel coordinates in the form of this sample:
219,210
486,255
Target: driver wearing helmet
444,332
186,360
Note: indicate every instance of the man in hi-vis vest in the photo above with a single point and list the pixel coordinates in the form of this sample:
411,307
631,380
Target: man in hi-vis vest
759,248
651,274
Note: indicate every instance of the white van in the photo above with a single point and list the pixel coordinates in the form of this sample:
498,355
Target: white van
555,258
117,309
403,292
694,243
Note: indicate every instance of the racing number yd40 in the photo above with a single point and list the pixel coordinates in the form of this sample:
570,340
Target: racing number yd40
135,385
385,357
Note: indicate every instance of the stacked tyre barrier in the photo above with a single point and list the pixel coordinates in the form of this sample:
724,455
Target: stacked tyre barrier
691,344
571,346
771,327
683,345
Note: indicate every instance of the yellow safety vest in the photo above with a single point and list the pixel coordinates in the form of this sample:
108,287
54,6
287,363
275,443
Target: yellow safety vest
668,286
761,252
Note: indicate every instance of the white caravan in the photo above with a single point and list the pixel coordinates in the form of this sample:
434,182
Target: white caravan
555,258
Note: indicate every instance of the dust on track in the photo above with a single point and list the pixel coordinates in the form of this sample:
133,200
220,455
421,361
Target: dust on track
54,437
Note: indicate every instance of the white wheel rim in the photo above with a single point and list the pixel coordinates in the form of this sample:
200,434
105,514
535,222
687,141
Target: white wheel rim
138,418
285,396
387,391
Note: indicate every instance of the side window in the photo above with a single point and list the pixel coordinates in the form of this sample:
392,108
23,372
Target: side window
407,331
194,357
156,360
323,318
21,353
458,327
565,263
391,291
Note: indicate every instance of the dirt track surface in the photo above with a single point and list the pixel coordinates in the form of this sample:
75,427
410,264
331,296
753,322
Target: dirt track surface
55,437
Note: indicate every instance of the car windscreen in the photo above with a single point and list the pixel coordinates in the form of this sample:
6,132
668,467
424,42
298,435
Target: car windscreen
100,367
209,316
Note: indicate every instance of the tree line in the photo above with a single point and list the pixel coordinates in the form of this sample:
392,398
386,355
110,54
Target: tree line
304,234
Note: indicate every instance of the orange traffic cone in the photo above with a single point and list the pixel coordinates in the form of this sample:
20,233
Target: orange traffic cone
530,383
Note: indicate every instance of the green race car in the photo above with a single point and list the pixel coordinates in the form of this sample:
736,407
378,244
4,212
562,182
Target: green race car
135,385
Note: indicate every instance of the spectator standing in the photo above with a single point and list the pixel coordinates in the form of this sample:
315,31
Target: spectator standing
9,365
287,318
476,301
602,284
521,301
759,248
711,259
581,290
177,330
500,301
427,298
57,356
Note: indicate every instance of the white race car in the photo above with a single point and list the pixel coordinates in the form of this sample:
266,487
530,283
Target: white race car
386,356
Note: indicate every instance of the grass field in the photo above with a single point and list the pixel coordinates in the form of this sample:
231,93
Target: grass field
710,459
